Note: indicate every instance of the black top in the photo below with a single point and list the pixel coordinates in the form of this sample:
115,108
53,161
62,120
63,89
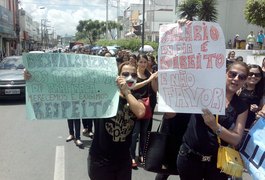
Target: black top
249,97
201,138
145,90
112,137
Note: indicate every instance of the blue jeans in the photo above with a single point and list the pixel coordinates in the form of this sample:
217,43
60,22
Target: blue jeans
140,127
74,127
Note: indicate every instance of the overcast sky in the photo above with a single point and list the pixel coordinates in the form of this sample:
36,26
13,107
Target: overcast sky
64,15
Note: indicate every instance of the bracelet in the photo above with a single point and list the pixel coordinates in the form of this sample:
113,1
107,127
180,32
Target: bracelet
219,130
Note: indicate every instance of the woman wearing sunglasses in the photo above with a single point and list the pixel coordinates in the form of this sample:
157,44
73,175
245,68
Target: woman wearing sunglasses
145,82
252,92
197,156
109,156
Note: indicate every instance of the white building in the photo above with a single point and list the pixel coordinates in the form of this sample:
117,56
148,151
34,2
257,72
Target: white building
230,17
30,35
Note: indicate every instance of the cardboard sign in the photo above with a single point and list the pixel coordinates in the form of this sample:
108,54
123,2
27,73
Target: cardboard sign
191,68
253,150
70,86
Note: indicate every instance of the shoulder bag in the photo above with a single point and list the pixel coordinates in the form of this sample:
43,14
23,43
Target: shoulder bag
229,160
160,153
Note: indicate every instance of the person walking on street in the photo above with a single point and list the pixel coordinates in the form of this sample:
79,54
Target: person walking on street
87,125
109,155
145,82
74,132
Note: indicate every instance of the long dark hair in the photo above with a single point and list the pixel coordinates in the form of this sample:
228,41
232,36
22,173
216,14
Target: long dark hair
239,63
143,55
260,85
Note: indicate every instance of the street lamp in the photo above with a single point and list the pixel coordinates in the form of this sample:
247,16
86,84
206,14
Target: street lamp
143,26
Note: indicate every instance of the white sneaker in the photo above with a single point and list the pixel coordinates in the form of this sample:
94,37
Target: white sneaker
70,138
78,142
84,131
91,135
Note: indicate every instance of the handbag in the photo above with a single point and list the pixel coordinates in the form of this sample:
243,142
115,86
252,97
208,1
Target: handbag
148,110
160,153
229,160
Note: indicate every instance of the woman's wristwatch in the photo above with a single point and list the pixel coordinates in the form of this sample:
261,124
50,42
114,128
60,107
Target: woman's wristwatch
219,130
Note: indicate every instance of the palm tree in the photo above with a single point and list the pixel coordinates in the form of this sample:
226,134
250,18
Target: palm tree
202,10
207,10
188,9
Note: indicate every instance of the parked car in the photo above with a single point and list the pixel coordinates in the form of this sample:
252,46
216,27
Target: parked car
12,83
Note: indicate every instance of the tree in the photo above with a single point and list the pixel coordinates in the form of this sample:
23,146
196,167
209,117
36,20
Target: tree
254,12
202,10
188,9
93,30
207,10
112,26
89,29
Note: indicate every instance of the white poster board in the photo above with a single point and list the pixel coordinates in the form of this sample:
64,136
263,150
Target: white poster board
70,86
191,68
253,150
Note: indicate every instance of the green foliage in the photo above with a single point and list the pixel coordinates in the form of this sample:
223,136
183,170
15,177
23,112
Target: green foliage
203,10
188,9
95,30
207,10
254,12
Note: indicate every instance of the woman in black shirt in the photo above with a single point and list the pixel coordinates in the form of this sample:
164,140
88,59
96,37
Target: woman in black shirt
197,157
109,155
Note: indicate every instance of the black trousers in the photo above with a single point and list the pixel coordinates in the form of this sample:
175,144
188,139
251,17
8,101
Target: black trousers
87,124
74,127
191,168
102,169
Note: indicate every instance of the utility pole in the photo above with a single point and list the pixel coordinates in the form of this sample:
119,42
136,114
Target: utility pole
143,26
107,17
118,20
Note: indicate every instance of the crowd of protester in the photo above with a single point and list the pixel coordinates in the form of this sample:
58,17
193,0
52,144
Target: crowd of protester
114,159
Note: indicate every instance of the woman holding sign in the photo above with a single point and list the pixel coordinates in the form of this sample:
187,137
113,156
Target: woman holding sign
197,158
109,155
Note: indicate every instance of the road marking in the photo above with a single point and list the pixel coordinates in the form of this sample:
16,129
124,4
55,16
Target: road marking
59,173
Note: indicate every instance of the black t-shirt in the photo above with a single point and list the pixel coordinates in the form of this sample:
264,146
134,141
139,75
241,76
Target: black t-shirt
249,97
112,137
145,90
201,138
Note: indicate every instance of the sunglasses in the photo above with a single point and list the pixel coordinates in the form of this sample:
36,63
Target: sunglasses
233,74
255,74
126,74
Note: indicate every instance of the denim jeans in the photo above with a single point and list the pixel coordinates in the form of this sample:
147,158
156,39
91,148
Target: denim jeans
140,127
74,127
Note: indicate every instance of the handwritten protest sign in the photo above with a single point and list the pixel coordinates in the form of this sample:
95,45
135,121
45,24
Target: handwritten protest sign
191,68
253,150
68,86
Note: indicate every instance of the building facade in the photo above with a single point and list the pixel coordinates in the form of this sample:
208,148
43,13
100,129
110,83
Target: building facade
9,27
230,17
